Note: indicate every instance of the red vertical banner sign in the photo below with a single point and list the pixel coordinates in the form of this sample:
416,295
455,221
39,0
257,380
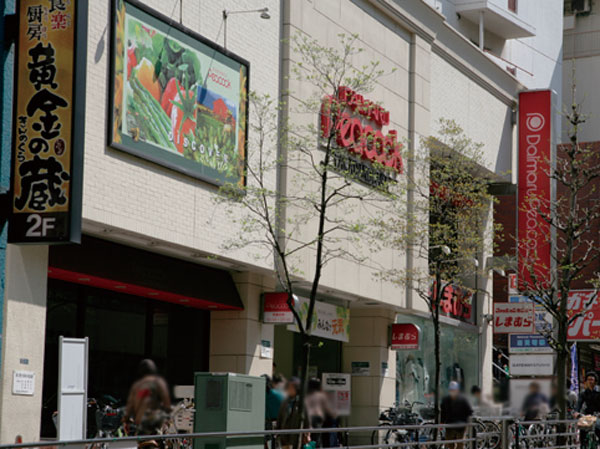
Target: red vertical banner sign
534,186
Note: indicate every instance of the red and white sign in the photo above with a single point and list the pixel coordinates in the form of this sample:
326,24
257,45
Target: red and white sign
587,326
276,309
514,318
337,387
359,128
457,302
534,187
405,336
513,288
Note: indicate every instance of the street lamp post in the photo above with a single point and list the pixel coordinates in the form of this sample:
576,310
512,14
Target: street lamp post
264,14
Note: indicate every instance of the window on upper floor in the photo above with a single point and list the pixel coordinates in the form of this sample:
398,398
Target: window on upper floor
512,5
572,7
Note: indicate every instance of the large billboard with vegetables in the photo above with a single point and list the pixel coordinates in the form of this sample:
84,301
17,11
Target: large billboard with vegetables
177,99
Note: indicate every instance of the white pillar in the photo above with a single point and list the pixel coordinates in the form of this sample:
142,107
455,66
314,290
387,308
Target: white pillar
481,30
23,340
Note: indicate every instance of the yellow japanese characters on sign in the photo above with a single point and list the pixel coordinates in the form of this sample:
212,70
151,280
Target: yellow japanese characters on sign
43,121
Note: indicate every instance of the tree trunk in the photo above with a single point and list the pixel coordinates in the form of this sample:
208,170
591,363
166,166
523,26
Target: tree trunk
436,382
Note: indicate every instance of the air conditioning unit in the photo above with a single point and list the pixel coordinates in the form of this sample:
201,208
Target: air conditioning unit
580,6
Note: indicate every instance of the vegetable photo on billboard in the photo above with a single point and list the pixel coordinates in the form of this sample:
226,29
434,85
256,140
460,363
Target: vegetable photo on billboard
178,99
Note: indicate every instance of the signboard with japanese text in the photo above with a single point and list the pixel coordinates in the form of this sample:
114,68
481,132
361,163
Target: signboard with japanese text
587,326
543,319
337,387
513,288
514,318
276,309
458,303
23,383
405,337
329,321
528,344
531,364
178,99
48,122
534,185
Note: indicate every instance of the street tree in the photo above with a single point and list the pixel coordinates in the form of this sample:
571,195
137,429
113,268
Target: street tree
446,225
574,219
300,204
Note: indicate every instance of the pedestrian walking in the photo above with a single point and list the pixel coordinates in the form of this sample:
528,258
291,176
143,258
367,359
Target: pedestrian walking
588,402
148,404
535,404
455,410
289,416
320,413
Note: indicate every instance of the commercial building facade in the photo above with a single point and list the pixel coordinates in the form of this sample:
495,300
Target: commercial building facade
155,275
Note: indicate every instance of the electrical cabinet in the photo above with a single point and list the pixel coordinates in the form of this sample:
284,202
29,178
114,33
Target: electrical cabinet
228,402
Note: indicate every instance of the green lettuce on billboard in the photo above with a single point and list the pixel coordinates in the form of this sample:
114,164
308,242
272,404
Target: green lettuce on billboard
177,99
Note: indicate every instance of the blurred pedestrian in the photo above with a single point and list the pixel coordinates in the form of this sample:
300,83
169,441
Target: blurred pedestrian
455,409
274,399
149,403
481,405
289,416
279,382
535,405
319,412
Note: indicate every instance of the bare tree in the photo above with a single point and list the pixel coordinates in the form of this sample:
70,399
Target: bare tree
320,208
449,229
575,219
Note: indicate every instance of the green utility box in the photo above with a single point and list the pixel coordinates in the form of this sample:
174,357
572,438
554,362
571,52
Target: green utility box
227,402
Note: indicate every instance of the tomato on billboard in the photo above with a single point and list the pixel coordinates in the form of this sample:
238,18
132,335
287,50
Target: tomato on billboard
178,99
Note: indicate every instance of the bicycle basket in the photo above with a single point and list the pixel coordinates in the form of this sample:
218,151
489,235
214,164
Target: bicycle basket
427,413
586,422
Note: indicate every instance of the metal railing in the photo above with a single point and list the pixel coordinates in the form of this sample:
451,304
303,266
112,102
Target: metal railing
480,433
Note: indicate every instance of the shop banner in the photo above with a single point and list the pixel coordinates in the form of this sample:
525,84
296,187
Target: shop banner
587,326
534,186
543,319
528,344
531,364
276,309
178,99
514,318
405,336
457,303
337,387
328,321
574,375
49,116
513,288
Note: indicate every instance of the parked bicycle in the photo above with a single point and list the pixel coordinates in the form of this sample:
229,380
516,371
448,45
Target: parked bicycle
400,416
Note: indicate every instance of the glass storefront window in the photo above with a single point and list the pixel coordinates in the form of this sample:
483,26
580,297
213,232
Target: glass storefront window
416,369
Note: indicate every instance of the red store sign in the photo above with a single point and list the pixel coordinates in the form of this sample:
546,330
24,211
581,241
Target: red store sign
514,318
534,188
359,129
276,309
405,336
587,326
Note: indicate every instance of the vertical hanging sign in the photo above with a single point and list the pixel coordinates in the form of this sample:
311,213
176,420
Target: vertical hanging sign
48,122
534,187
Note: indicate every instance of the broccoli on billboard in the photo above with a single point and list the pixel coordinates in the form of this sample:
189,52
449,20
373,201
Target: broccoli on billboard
177,99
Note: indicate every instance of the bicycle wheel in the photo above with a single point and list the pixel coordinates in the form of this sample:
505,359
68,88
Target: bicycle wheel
494,434
379,435
395,436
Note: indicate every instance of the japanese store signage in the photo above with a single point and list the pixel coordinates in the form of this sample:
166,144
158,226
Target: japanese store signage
337,387
358,129
527,344
329,321
534,186
514,318
587,326
457,302
531,364
543,319
513,288
276,309
405,336
48,122
178,99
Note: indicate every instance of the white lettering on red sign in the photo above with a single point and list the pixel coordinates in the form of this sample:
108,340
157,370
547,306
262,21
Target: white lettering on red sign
362,139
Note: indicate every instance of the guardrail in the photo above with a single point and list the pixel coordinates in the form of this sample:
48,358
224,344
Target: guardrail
481,433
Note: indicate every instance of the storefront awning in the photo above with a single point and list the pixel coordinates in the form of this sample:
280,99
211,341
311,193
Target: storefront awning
111,266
